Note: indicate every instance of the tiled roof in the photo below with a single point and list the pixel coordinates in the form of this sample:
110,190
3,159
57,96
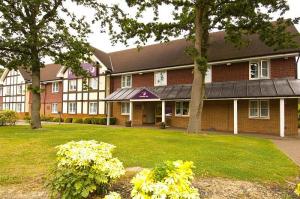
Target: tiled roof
48,73
218,90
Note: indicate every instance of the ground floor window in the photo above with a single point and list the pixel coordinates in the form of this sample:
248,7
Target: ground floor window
125,108
72,107
182,108
19,107
54,108
259,109
93,106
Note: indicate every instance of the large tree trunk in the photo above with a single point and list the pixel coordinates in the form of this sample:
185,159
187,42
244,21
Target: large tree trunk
36,98
197,95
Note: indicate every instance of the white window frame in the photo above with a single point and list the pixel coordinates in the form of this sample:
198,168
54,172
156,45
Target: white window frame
124,80
260,76
1,91
181,109
18,107
125,108
71,86
72,106
259,115
55,87
19,89
54,110
158,73
94,110
93,82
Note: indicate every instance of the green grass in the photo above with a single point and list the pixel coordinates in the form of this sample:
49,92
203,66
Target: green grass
27,154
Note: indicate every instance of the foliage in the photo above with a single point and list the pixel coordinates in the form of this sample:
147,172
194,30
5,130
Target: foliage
112,195
8,117
85,167
169,180
27,117
68,120
87,120
297,190
112,121
57,119
77,120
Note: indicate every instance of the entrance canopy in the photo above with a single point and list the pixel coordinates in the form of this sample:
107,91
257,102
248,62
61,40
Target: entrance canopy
270,88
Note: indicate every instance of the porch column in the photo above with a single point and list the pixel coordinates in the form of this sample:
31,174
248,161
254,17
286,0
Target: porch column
282,118
108,114
235,117
130,111
163,111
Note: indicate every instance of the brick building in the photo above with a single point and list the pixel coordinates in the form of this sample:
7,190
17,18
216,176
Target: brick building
252,89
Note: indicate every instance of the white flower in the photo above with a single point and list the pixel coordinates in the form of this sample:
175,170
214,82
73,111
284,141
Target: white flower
113,195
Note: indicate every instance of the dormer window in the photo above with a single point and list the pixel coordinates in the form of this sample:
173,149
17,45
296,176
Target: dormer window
259,70
126,81
160,78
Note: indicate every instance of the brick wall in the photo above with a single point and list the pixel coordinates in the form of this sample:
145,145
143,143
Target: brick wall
280,68
218,116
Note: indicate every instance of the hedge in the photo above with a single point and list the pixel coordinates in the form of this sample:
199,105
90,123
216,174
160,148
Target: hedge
87,120
68,120
8,118
77,120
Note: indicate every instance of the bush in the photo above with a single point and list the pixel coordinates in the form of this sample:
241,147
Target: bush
112,195
169,180
27,117
8,118
112,121
87,120
77,120
57,119
297,190
96,120
68,120
84,168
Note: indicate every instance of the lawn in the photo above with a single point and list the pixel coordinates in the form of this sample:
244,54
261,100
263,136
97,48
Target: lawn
27,154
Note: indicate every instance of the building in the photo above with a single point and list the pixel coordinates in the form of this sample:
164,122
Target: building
248,90
252,89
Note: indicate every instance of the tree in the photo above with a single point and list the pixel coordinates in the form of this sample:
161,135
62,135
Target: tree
195,19
31,30
1,71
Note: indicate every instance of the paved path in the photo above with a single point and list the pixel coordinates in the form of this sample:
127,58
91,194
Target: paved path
290,146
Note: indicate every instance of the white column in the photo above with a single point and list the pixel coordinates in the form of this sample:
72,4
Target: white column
282,118
235,117
163,111
130,111
108,114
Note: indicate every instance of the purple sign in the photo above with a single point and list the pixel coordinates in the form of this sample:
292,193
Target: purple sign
88,67
145,94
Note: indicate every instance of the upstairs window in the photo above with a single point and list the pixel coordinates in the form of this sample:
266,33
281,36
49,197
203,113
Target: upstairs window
72,85
19,90
126,81
55,87
182,108
259,69
1,92
93,83
259,109
160,78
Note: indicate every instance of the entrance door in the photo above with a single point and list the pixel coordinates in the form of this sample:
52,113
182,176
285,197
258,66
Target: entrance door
149,113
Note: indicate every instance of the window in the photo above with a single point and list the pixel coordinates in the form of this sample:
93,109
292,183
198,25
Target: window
93,107
18,107
72,85
8,90
55,87
160,78
72,107
259,70
93,83
259,109
182,108
6,106
1,92
54,108
125,108
126,81
19,89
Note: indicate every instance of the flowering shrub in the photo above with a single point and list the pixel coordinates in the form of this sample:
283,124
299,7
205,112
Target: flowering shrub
169,180
112,195
297,190
83,168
